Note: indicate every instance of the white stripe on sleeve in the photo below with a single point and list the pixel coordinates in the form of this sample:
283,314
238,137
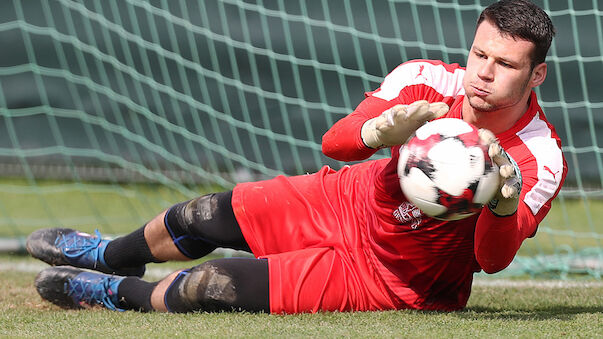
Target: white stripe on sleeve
537,138
449,84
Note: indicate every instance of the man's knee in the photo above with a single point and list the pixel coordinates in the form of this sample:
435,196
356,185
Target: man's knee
187,217
205,287
209,219
187,223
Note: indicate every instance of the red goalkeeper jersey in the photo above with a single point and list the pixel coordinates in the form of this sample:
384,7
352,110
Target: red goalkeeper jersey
427,261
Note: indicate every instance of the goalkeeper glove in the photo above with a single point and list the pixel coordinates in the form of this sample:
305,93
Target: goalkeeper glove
506,200
395,125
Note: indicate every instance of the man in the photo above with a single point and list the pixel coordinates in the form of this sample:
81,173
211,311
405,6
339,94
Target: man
343,241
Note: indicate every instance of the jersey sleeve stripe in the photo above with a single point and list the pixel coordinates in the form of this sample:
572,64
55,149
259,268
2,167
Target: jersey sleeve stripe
538,138
445,79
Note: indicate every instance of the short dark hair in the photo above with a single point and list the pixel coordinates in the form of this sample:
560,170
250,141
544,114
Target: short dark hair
524,20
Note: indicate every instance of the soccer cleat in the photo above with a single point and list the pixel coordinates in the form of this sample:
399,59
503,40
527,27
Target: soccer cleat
74,288
65,246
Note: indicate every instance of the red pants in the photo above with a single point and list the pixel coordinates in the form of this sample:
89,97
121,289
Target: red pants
312,231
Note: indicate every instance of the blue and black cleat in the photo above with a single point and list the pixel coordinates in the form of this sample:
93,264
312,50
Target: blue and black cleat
74,288
65,246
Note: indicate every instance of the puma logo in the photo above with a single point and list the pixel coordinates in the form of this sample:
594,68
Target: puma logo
554,174
421,68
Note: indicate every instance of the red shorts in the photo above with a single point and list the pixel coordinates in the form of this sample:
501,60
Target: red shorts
310,229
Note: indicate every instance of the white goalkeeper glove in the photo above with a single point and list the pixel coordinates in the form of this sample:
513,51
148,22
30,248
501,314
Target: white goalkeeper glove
395,125
506,200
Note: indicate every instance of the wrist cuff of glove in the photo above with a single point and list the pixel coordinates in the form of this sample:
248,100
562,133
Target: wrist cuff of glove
492,207
367,145
368,135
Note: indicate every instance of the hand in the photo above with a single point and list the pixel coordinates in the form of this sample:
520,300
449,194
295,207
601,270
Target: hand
506,200
395,125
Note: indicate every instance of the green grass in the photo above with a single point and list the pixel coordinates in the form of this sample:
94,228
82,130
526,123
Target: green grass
118,209
112,208
497,312
571,223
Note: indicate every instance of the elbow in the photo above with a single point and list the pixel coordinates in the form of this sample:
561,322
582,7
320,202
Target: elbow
492,269
493,257
343,146
493,266
329,152
334,149
329,147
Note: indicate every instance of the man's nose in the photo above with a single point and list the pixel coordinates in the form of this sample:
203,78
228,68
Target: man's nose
486,71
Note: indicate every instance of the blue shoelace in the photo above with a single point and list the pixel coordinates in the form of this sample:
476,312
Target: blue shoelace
98,292
75,245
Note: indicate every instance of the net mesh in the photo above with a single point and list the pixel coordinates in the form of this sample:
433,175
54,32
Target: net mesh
112,110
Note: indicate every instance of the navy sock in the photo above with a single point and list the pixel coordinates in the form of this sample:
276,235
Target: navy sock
131,250
135,294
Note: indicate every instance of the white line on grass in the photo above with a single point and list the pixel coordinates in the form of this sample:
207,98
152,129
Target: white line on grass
158,273
535,283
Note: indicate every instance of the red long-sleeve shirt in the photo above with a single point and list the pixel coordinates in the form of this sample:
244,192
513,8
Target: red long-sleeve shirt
440,257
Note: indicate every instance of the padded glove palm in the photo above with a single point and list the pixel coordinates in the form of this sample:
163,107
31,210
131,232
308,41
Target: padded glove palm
395,125
506,200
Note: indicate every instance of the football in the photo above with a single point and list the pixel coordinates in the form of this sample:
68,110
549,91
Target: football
445,170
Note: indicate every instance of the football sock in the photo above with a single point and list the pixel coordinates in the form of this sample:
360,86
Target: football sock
135,294
131,250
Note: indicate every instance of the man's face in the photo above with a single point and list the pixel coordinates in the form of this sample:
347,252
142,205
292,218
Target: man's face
498,73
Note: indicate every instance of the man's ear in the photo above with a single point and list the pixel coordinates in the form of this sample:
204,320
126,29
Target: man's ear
538,75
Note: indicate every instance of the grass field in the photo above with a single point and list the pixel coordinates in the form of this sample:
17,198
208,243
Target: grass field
496,309
119,209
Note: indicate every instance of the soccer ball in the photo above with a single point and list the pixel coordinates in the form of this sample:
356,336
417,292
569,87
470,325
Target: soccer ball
445,170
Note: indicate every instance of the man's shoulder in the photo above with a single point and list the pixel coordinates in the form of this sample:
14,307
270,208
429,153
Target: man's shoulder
536,148
443,78
451,67
535,136
532,126
429,66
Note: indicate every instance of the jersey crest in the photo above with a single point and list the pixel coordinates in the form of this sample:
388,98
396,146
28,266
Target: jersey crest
408,213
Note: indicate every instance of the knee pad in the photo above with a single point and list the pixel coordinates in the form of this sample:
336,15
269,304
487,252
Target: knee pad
181,221
192,213
203,288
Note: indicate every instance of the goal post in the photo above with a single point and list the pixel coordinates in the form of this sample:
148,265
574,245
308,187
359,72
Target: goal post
112,110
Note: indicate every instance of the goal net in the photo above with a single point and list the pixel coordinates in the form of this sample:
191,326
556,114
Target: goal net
112,110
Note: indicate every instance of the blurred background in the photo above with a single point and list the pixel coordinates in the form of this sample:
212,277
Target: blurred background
111,111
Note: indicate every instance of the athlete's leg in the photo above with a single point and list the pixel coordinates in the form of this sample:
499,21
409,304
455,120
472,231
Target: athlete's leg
187,230
229,284
232,284
153,236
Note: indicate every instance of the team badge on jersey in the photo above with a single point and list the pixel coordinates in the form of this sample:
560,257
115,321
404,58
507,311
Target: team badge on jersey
408,213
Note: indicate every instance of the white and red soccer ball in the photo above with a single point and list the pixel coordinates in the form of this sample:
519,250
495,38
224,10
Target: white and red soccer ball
445,170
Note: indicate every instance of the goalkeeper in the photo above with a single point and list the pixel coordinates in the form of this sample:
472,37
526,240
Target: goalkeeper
347,240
